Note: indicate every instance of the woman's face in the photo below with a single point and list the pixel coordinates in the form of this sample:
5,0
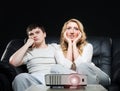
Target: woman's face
72,31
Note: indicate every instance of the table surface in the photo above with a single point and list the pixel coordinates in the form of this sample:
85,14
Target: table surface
85,88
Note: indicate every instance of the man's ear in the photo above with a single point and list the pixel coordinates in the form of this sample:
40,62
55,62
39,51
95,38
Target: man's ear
45,34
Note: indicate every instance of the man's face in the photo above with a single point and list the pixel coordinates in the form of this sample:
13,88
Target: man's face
37,35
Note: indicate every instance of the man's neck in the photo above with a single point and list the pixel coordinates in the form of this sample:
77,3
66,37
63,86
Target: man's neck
43,45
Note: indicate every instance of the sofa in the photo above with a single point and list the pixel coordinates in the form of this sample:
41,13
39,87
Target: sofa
106,55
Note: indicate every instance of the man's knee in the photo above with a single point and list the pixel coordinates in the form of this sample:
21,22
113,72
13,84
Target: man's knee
20,77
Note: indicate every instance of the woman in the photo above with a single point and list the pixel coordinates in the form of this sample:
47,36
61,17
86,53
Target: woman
76,53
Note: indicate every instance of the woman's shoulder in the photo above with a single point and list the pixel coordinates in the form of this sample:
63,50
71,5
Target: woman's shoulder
54,45
88,44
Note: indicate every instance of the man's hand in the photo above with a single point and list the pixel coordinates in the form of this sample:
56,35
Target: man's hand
30,43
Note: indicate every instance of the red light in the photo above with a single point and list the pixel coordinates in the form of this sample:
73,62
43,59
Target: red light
74,79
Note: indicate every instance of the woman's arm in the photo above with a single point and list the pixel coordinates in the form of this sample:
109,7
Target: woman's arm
75,50
60,58
86,55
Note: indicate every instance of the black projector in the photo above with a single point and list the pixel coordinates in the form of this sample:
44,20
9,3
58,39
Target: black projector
65,80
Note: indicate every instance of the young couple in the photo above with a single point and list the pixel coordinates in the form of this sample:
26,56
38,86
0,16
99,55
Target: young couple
72,55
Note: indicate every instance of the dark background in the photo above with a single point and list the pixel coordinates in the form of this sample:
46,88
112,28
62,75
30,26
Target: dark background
100,18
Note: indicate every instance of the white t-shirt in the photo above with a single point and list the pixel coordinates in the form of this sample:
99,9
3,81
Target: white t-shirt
40,59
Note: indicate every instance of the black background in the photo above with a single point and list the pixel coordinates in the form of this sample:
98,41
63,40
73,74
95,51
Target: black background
100,18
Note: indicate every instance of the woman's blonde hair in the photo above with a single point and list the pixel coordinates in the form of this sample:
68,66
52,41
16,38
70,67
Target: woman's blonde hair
80,43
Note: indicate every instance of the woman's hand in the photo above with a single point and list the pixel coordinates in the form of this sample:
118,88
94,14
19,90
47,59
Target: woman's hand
75,50
77,39
68,40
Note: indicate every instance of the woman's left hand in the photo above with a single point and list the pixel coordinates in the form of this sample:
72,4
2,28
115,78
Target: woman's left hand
77,39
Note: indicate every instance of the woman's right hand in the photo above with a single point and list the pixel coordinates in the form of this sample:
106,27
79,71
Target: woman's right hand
66,38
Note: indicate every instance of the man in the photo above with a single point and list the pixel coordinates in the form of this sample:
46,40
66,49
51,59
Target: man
37,55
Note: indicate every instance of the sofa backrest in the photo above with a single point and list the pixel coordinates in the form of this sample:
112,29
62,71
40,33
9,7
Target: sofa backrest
11,47
101,50
15,44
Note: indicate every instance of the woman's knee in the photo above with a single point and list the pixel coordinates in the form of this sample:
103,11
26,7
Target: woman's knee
60,69
56,68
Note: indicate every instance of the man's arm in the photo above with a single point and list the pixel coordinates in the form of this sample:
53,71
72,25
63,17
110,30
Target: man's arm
17,57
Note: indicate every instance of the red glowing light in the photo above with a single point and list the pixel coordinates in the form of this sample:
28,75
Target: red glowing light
74,79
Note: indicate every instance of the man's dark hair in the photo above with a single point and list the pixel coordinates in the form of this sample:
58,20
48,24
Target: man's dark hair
33,26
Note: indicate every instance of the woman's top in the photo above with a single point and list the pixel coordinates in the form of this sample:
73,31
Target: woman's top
85,57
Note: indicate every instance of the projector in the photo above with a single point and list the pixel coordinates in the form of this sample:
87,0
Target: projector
65,80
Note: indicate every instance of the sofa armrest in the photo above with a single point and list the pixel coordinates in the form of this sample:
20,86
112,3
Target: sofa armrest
116,76
5,84
8,70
